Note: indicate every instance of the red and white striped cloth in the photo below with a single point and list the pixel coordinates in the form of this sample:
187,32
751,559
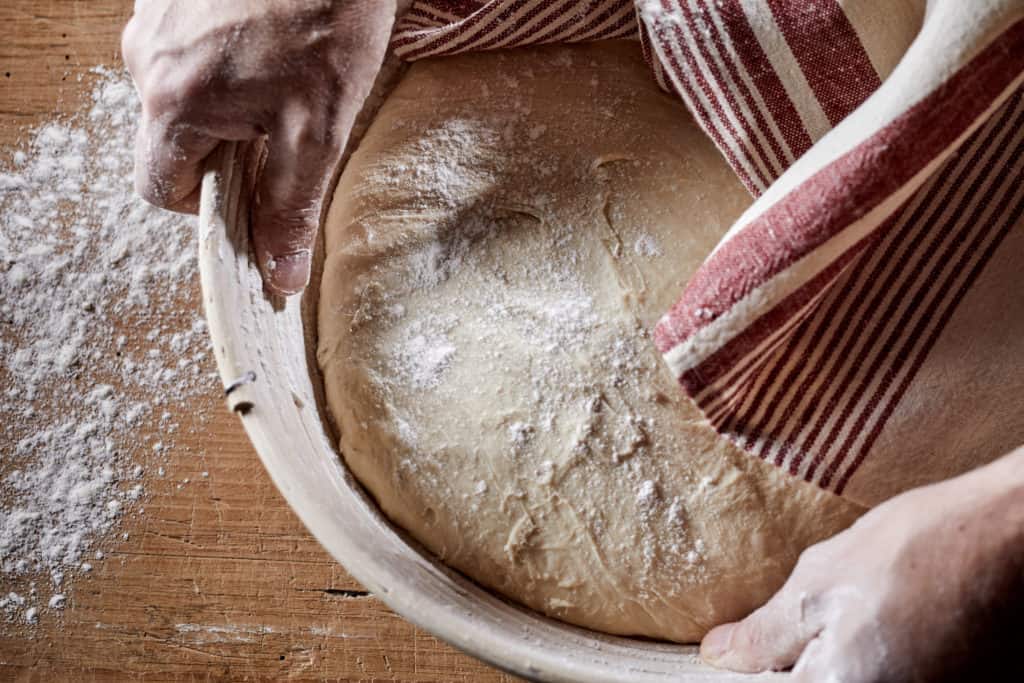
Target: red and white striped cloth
883,141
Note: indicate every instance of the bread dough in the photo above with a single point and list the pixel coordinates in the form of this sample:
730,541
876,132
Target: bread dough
499,247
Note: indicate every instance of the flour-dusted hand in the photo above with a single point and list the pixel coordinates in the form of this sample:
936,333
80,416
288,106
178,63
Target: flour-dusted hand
296,71
928,586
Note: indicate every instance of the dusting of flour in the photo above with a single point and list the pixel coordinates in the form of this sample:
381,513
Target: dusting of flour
98,344
518,341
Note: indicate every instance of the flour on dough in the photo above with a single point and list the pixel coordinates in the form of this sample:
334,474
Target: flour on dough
498,249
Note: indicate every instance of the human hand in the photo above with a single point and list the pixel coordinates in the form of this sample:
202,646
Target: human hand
928,586
296,71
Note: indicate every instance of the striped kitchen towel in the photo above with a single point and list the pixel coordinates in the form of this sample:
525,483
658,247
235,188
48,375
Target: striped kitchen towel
860,325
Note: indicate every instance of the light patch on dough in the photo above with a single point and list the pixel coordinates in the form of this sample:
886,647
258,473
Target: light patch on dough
422,358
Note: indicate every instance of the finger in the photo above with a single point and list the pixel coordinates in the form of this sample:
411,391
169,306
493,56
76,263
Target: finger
169,164
129,41
832,656
770,638
302,153
816,661
856,646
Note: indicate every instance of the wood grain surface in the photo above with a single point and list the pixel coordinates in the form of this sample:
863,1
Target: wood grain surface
216,579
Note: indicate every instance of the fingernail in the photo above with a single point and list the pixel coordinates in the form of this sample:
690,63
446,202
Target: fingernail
289,273
716,643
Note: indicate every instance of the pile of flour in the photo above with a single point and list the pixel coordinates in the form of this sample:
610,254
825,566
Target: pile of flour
101,345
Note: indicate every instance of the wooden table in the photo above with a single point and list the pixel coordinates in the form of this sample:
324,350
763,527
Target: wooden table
217,578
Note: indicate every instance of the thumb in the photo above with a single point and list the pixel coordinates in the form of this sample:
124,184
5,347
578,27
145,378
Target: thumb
770,638
302,153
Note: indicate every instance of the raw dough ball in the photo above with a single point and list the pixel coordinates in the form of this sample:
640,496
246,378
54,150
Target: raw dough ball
498,249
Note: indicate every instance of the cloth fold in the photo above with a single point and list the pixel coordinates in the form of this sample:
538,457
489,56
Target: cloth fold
883,142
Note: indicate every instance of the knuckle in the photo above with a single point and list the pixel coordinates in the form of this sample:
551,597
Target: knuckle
165,94
746,636
173,82
303,133
166,81
152,101
289,227
281,234
133,52
151,185
148,190
306,136
129,36
151,93
810,559
304,121
128,47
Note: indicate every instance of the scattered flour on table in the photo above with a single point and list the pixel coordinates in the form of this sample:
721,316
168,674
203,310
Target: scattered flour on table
98,344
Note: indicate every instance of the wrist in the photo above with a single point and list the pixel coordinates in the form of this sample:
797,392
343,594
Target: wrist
1007,474
989,500
1004,508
